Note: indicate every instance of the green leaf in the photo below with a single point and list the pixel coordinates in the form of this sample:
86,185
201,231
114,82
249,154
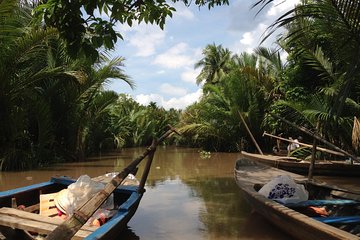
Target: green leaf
129,21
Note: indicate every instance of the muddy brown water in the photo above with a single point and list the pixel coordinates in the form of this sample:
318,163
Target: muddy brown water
187,196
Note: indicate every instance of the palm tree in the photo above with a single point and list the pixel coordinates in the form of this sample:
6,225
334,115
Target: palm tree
271,72
47,99
339,22
23,120
92,102
318,106
214,122
215,64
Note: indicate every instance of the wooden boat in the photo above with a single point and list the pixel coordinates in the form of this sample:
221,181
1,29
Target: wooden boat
23,223
342,206
126,200
292,164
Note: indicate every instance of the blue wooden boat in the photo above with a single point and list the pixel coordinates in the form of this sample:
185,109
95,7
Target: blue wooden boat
16,223
24,223
341,207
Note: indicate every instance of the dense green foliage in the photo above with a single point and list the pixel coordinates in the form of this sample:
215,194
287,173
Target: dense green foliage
318,84
53,106
88,25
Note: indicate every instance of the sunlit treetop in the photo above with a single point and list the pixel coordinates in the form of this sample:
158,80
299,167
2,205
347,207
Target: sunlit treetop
87,25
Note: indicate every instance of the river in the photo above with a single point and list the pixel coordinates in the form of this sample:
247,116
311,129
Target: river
187,196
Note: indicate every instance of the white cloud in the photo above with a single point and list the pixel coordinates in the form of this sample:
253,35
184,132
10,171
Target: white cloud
280,7
153,55
247,38
161,72
145,38
190,74
250,38
177,103
183,12
175,57
172,90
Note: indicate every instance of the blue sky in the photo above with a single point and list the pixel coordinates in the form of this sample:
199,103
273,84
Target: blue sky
161,62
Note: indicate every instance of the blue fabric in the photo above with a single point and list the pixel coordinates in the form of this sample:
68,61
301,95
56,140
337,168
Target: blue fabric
339,220
323,203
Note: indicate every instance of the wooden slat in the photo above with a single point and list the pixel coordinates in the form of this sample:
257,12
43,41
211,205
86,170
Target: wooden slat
33,222
47,205
32,208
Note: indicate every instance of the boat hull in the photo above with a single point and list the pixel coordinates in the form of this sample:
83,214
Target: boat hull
250,174
127,198
329,168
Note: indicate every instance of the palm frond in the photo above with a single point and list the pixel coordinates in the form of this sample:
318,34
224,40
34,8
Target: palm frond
344,14
319,62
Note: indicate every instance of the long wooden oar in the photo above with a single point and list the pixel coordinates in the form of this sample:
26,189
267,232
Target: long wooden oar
69,228
316,136
305,145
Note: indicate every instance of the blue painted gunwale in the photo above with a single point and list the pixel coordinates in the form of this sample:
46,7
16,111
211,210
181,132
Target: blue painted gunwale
24,189
115,225
118,222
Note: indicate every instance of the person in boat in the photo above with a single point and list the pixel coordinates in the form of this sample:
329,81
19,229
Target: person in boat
294,144
277,149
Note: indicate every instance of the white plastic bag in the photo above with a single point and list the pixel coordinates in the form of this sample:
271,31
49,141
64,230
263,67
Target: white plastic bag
80,192
284,189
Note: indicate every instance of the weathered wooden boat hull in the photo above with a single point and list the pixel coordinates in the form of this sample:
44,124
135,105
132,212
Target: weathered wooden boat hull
335,168
250,174
126,197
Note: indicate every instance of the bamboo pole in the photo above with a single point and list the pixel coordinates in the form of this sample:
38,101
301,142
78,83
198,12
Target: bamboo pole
305,145
146,172
317,137
69,228
252,137
313,155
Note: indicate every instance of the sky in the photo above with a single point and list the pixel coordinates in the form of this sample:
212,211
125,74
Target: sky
161,62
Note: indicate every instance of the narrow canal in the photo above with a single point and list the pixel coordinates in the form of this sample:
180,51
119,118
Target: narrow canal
188,196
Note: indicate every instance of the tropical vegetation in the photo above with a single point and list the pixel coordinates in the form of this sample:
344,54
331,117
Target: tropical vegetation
54,107
316,86
86,26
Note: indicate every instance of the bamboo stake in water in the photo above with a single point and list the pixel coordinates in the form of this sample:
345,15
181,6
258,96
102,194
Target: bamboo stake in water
252,137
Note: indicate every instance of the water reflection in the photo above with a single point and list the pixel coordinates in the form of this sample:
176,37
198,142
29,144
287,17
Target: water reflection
187,197
224,209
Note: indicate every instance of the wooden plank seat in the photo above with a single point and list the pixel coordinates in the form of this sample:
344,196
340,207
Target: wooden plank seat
325,202
18,219
339,219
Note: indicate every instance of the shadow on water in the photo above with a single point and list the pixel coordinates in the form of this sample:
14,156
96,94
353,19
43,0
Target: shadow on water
128,234
187,197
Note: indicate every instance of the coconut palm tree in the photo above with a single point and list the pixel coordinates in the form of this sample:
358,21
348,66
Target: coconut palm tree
214,123
214,64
